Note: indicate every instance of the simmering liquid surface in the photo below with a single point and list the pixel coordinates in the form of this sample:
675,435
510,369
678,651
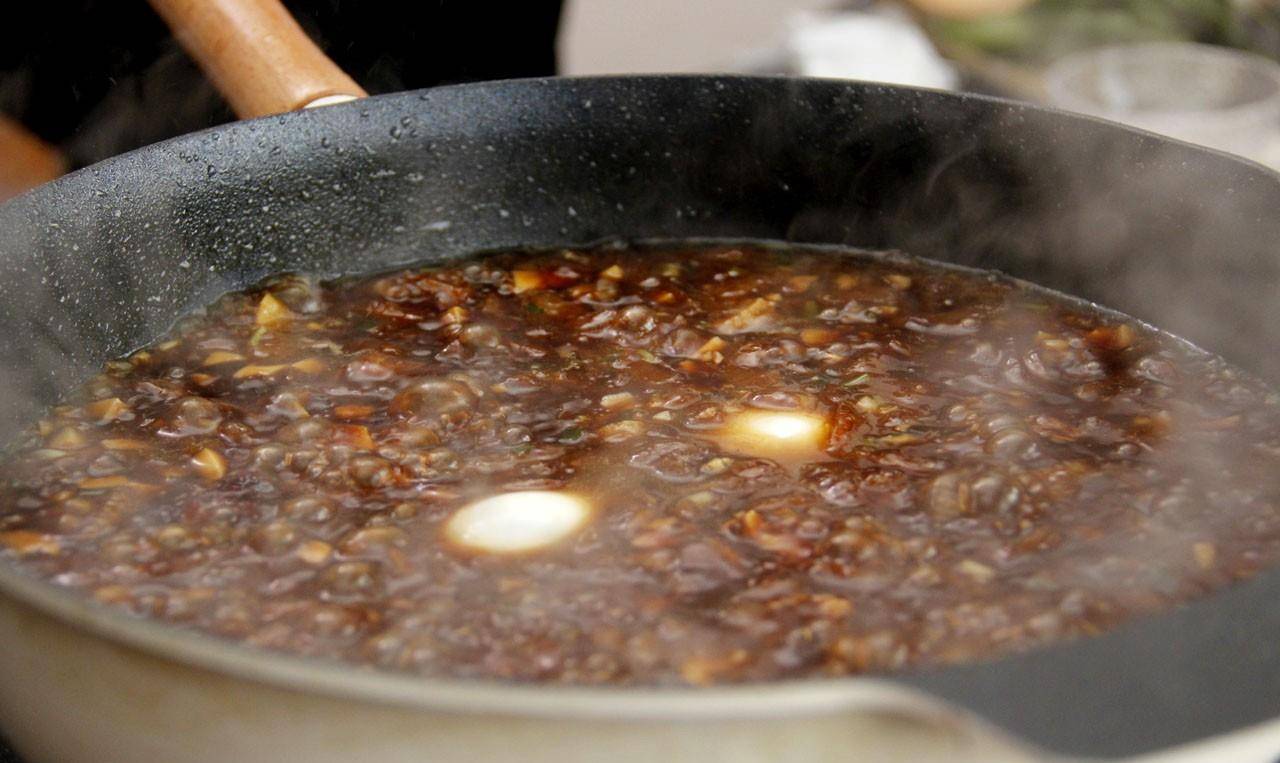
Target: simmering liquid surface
683,465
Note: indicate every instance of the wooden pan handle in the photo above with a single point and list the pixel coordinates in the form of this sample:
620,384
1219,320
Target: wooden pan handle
256,55
26,161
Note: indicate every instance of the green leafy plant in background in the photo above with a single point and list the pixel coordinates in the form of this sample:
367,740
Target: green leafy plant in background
1051,28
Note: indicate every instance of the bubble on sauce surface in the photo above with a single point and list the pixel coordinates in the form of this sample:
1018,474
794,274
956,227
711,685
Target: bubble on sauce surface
793,437
518,522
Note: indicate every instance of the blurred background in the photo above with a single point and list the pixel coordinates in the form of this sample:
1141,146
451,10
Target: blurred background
81,80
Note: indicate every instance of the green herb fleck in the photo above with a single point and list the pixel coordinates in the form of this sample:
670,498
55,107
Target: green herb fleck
570,435
857,380
259,334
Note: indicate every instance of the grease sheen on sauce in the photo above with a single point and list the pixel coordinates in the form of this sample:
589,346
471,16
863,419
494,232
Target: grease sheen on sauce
999,468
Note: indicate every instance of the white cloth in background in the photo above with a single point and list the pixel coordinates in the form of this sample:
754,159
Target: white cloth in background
875,46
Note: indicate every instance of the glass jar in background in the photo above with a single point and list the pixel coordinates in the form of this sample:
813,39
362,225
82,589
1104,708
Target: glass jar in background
1218,97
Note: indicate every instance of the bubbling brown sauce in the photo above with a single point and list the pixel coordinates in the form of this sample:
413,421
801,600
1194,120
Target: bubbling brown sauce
696,464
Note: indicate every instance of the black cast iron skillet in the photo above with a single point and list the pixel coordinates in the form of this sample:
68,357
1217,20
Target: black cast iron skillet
102,261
